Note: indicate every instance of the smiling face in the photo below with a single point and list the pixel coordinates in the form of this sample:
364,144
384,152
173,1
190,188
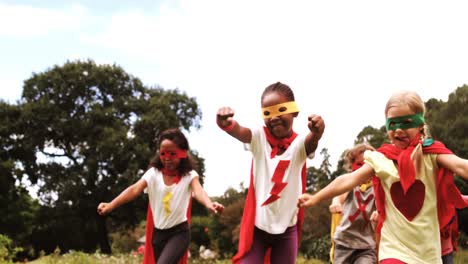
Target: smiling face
169,154
405,132
279,126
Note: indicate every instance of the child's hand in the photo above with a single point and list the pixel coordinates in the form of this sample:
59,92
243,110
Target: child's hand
216,208
103,208
336,208
374,217
316,126
224,117
305,200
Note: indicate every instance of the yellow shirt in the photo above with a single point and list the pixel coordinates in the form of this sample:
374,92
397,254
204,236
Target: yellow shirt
418,240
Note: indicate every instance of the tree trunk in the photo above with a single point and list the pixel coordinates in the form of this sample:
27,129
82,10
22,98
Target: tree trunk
102,234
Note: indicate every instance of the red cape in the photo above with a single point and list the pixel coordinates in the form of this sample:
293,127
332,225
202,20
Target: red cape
248,220
148,257
448,196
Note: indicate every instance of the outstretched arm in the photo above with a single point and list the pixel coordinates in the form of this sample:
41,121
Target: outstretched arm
316,126
126,196
224,119
454,163
201,196
338,186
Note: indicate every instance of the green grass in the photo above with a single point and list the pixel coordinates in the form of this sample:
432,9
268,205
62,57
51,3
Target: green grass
83,258
461,257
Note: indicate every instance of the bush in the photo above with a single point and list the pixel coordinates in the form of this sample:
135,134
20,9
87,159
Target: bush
7,250
318,248
126,241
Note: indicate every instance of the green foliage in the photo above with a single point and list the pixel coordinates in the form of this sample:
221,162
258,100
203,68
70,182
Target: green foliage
230,221
8,251
317,178
315,238
448,122
77,257
200,228
373,136
126,240
85,132
318,248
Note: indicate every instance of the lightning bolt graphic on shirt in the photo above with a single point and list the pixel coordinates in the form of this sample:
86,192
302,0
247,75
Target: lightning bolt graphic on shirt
277,179
167,203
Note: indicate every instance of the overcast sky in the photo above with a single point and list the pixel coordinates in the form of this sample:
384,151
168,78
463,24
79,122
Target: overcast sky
343,59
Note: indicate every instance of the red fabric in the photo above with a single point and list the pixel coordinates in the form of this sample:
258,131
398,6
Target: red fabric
278,144
248,215
356,165
148,257
415,194
448,195
278,185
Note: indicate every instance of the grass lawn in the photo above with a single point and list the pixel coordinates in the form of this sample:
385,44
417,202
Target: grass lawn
461,257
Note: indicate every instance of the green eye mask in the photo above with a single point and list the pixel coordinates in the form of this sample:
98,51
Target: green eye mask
404,122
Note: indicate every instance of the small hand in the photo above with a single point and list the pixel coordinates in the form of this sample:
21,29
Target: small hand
305,200
216,208
103,208
374,217
335,208
224,116
316,126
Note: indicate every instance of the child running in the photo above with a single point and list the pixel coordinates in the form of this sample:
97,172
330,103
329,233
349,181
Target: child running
353,239
414,185
170,182
271,221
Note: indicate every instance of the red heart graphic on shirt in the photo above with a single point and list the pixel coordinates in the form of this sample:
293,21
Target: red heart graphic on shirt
408,204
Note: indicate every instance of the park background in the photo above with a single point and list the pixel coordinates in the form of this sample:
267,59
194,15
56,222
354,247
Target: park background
343,60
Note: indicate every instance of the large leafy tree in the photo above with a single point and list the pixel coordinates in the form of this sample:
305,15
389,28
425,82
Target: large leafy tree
17,209
88,132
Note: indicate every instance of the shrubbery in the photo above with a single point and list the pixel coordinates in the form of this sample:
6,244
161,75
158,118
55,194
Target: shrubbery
7,250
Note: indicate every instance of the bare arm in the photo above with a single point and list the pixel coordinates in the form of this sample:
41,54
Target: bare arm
454,163
224,120
126,196
316,126
201,196
340,185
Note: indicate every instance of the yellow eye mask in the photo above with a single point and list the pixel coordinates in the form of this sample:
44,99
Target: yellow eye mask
279,109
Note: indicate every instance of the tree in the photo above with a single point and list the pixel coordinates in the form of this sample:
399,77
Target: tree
317,178
373,136
17,208
88,132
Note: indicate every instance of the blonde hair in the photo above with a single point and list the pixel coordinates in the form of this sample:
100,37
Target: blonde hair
413,101
415,104
351,154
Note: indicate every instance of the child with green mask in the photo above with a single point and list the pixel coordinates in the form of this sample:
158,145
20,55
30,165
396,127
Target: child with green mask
415,193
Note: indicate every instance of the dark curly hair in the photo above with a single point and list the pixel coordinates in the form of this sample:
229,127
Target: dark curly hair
279,88
175,135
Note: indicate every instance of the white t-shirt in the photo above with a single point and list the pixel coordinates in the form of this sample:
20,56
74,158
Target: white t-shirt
275,217
169,204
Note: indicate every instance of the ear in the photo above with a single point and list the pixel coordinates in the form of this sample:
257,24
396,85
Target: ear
296,114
